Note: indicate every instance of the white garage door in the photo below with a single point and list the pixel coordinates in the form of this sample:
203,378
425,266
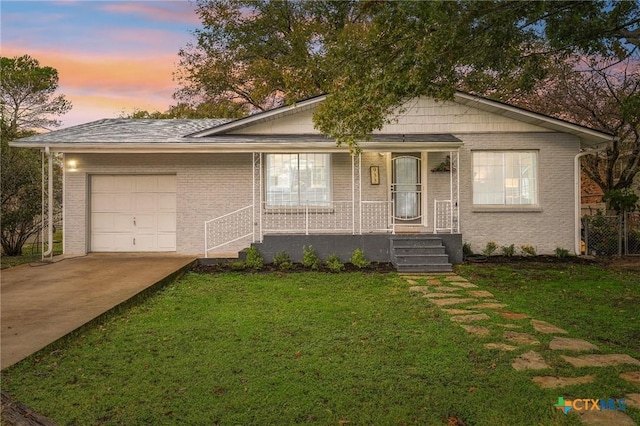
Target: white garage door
133,213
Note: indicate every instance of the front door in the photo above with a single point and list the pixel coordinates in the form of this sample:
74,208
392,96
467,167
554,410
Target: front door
406,188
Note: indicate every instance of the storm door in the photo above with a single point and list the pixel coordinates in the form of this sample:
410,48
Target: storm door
406,188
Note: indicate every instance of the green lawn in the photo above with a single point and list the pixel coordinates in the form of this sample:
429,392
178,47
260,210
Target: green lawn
282,349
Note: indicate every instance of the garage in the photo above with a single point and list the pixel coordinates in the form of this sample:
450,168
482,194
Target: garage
133,213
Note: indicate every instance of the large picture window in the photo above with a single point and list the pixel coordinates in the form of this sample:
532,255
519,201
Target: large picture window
298,179
505,178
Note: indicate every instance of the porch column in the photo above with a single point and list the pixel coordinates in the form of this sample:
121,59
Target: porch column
454,188
356,193
257,196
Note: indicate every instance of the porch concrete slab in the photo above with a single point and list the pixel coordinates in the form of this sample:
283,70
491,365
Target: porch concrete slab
41,304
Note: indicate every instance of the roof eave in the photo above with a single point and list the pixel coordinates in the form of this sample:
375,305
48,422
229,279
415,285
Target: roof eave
163,148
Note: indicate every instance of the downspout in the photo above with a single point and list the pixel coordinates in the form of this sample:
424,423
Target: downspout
577,169
49,156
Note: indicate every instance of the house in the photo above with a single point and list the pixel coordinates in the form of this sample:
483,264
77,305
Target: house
441,173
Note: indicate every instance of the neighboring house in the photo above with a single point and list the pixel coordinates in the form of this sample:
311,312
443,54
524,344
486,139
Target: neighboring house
468,170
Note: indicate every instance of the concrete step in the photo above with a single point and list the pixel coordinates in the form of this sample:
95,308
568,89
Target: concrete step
445,267
399,251
419,259
416,242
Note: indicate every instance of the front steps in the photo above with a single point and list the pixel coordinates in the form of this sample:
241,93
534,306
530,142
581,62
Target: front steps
419,253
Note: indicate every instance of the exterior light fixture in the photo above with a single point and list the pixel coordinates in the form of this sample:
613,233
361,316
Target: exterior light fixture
73,166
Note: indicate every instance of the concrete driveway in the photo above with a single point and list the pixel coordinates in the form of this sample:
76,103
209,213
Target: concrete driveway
40,304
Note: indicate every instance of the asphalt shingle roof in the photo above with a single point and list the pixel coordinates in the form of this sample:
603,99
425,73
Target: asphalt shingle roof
127,130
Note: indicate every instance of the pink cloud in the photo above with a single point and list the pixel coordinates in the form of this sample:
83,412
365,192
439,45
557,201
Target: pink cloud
174,11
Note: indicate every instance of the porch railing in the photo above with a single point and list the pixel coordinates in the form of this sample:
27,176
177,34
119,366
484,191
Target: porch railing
228,228
335,217
443,216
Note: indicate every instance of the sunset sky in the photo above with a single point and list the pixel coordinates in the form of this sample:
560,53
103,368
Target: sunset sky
111,56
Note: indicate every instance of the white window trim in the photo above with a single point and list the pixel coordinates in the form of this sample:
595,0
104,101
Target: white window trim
522,208
279,208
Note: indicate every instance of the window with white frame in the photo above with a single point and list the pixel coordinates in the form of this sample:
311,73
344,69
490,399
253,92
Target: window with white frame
298,179
507,178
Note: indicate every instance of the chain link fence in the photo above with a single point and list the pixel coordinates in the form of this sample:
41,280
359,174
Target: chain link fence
611,235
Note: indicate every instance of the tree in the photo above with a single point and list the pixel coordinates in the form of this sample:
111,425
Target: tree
261,53
371,56
27,103
601,94
221,109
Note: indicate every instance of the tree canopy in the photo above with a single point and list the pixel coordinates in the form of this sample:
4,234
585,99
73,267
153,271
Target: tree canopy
28,102
28,99
371,56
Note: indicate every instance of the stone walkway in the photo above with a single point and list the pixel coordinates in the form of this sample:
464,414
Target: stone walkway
479,313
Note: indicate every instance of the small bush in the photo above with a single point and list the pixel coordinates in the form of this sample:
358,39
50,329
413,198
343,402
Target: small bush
334,264
562,253
237,265
466,250
358,259
509,250
527,250
490,248
310,259
253,259
282,261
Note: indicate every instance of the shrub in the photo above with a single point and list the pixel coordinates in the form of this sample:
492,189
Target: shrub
310,259
358,259
509,250
562,253
490,248
334,264
237,265
253,259
527,250
282,261
466,250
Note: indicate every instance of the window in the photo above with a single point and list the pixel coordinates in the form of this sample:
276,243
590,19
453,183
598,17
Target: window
298,179
505,178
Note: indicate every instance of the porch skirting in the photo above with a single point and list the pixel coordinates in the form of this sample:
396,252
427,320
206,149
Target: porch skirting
376,247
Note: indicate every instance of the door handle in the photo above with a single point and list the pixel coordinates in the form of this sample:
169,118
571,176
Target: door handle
134,221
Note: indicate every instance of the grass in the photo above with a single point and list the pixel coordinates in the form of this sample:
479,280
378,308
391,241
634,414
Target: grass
31,253
310,348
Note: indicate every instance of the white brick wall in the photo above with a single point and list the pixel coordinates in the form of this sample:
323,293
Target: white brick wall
553,225
210,185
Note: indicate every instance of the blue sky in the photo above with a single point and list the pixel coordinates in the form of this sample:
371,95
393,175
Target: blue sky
111,56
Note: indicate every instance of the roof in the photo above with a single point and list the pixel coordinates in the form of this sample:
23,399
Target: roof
225,135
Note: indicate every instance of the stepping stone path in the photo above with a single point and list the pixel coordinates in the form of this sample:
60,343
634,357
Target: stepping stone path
459,298
546,328
520,338
469,318
569,344
529,361
551,382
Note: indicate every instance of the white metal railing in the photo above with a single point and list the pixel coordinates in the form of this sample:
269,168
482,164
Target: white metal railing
442,216
336,216
377,216
228,228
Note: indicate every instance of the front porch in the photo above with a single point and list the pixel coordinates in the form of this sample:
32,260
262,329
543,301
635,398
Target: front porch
386,194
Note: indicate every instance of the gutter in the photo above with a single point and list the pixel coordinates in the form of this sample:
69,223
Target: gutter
49,156
577,169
